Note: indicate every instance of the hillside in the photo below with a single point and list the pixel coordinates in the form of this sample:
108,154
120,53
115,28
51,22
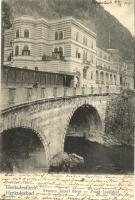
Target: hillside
88,12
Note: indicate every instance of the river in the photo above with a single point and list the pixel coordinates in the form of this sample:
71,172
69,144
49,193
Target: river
99,159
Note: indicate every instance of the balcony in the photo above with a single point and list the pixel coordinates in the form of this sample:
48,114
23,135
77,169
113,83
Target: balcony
105,69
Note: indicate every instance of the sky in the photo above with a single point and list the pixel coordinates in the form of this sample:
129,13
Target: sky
123,10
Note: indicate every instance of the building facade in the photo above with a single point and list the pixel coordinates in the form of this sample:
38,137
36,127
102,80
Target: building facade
60,46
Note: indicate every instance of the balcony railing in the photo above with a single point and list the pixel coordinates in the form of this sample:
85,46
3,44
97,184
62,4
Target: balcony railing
16,96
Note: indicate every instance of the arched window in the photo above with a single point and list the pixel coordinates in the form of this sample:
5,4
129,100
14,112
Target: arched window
16,50
26,33
26,51
56,35
61,35
17,33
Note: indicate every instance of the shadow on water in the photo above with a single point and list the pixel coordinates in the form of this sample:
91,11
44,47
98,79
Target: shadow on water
100,159
21,151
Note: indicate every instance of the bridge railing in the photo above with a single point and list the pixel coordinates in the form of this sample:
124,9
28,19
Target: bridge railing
17,95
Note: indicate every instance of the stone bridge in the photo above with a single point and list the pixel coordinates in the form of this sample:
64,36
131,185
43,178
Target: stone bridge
50,121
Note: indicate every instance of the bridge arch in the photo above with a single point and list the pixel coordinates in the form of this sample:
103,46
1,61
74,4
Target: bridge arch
85,112
84,122
25,149
82,126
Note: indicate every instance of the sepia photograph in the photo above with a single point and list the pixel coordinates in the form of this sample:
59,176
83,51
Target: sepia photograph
67,87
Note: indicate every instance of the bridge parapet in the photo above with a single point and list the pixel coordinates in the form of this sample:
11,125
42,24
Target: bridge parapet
12,96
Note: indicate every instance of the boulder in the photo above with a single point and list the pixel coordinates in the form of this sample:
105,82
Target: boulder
64,162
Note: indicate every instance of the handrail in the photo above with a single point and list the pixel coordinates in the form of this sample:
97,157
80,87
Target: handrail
15,96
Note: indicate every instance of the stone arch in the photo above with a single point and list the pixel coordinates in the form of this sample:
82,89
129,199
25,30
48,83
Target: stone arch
15,121
74,110
41,140
75,143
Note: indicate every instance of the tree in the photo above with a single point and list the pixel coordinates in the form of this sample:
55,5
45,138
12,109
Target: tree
6,24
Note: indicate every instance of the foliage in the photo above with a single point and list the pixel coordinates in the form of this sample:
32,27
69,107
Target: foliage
119,118
6,16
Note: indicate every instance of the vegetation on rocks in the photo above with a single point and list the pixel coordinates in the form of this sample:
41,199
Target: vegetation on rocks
120,118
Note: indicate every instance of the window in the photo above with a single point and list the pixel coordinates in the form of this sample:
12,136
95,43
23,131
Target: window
111,78
61,51
79,55
42,92
85,56
97,75
29,93
115,79
61,35
102,77
10,44
11,95
26,51
92,45
26,33
17,34
92,58
77,36
76,53
107,77
91,75
10,57
56,50
56,35
84,73
16,50
84,40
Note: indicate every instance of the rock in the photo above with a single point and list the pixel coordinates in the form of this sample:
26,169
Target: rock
64,162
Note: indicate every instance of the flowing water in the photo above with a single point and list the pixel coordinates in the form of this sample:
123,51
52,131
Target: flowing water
99,158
